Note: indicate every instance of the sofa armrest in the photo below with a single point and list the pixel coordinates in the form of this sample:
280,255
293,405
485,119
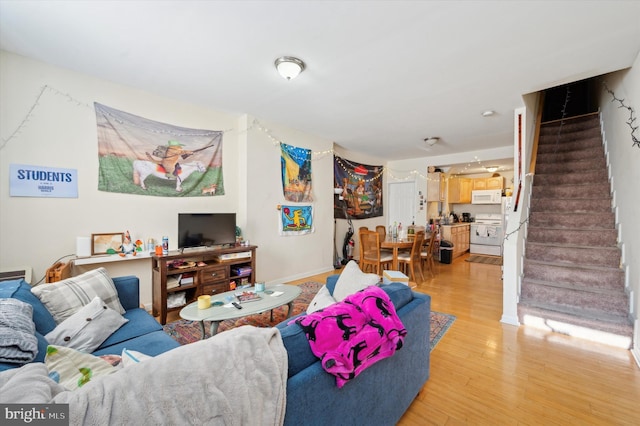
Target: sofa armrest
128,288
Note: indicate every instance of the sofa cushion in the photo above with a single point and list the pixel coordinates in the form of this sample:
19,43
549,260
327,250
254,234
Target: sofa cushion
151,344
66,297
399,293
18,343
74,369
352,280
140,323
21,290
88,328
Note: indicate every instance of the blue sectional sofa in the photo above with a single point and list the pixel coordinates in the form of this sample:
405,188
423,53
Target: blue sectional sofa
379,395
142,333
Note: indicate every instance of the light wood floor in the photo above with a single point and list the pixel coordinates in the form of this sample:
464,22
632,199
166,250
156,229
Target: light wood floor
484,372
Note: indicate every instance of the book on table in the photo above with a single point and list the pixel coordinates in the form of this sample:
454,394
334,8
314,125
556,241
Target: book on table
396,276
247,296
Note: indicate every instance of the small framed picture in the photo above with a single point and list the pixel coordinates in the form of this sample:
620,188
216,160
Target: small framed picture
104,243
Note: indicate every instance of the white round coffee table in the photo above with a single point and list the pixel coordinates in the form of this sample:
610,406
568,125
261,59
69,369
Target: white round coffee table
275,295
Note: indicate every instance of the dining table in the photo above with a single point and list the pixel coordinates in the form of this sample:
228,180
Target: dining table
396,244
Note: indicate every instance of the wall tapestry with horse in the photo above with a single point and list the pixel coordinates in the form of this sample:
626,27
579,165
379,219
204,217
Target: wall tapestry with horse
146,157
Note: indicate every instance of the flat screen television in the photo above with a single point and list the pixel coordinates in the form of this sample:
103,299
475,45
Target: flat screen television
206,229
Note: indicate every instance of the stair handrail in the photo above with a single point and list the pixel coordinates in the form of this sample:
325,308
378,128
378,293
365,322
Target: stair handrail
536,136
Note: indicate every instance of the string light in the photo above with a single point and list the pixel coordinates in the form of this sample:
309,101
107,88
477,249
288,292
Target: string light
31,112
632,116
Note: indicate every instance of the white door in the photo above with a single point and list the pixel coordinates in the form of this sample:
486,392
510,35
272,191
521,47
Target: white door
401,203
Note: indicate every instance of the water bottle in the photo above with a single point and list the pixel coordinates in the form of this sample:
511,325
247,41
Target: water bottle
165,246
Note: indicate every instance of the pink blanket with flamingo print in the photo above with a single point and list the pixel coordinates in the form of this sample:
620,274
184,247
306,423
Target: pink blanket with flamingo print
351,335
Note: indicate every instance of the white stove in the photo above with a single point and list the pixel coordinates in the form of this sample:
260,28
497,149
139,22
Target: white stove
486,234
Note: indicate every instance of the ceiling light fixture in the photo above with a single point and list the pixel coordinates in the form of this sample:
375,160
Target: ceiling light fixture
491,169
432,141
488,113
289,67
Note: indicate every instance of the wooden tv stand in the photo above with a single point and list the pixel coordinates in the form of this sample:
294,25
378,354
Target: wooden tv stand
213,278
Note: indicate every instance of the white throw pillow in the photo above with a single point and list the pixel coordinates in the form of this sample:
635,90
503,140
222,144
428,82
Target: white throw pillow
352,280
321,300
88,328
64,298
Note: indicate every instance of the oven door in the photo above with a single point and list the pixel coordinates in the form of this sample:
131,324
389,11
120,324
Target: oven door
490,235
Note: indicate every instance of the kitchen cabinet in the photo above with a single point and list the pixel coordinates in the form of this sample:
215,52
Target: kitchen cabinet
435,187
458,234
479,183
459,190
495,182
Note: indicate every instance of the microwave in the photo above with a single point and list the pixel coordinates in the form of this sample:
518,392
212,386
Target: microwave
486,196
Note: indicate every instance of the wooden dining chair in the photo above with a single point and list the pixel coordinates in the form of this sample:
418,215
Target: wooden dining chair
372,259
382,230
427,254
411,262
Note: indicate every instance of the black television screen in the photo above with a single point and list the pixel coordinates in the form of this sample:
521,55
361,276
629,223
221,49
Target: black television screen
206,229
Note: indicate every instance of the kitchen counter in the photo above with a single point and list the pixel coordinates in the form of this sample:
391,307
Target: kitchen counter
458,234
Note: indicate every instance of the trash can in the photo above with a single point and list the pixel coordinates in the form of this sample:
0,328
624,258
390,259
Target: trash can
446,251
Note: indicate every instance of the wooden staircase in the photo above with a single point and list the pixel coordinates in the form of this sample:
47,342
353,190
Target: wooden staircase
572,275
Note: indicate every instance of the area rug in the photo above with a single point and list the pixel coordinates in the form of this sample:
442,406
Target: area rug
489,260
185,332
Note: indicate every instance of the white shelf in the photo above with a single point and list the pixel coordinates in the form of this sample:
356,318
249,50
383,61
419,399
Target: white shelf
108,258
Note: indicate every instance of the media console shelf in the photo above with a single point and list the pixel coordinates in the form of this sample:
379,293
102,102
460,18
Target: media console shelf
221,268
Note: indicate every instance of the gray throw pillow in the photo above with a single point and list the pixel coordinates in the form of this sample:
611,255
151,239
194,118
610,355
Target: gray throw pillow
88,328
64,298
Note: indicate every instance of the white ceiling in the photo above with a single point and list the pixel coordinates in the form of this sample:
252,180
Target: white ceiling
381,75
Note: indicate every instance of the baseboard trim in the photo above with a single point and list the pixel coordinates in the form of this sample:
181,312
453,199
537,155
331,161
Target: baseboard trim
506,319
635,351
301,275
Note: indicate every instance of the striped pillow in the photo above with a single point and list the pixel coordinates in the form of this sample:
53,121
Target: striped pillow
66,297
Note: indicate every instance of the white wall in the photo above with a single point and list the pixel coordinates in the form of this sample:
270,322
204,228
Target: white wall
284,258
61,132
624,160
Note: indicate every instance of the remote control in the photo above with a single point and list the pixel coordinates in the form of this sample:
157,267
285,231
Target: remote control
237,305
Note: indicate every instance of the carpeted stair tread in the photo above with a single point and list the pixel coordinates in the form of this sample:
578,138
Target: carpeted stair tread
575,191
568,254
579,205
584,315
586,276
589,155
609,324
576,299
610,291
580,237
573,220
574,145
557,175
